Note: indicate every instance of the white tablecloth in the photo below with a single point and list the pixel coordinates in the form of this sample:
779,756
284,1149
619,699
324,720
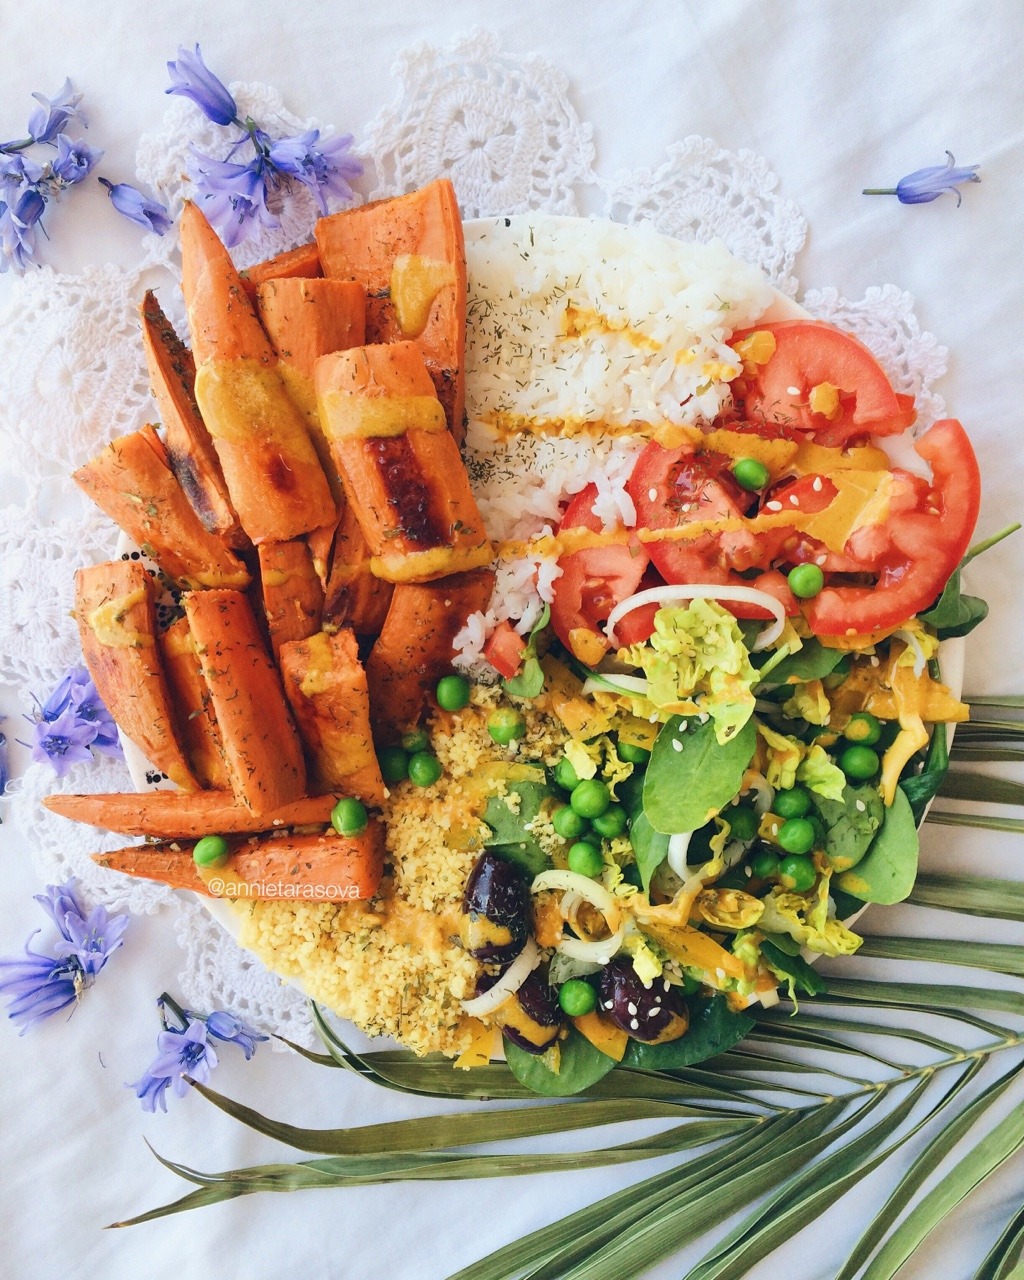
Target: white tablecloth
836,96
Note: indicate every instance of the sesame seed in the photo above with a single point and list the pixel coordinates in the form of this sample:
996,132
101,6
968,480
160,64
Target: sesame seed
652,494
634,1024
793,391
820,560
874,660
631,1009
608,1004
794,499
666,984
653,1013
676,744
773,506
817,486
860,806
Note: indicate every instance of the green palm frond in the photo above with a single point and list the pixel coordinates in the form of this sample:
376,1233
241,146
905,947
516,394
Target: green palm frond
916,1083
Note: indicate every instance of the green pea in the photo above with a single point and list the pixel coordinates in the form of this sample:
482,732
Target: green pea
632,754
859,763
576,998
452,693
863,728
565,774
211,851
764,863
348,817
590,798
805,580
612,822
796,836
743,822
568,823
505,725
791,804
585,860
416,740
394,764
797,873
424,769
750,474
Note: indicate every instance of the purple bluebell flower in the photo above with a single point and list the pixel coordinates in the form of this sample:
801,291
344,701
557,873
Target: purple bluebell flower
90,938
130,201
62,742
73,685
192,78
324,167
38,985
924,185
233,196
182,1054
4,773
19,222
52,115
232,1030
18,172
75,159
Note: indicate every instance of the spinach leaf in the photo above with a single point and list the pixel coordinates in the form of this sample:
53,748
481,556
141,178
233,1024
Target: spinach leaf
649,846
805,977
809,663
692,775
529,682
850,823
713,1029
954,613
509,837
887,872
920,788
579,1066
847,905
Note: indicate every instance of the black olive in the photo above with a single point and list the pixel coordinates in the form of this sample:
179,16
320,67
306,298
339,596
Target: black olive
496,910
652,1014
531,1018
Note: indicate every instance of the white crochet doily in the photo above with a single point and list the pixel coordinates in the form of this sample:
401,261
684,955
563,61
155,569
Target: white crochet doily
72,376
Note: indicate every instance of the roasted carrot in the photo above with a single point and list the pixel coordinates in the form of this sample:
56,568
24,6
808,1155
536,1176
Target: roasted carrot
262,751
302,263
116,614
175,815
415,647
409,254
354,596
190,451
132,482
325,683
198,729
318,868
269,463
402,471
293,598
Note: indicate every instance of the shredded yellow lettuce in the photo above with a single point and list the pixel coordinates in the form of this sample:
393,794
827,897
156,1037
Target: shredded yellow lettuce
805,918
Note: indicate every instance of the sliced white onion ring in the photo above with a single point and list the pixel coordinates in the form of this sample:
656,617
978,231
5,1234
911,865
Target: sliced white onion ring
507,985
591,891
912,642
677,847
599,952
703,591
615,683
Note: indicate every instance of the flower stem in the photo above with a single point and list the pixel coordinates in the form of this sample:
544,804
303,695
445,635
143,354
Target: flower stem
879,191
988,543
168,1002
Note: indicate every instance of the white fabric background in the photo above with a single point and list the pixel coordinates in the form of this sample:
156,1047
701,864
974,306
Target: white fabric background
836,96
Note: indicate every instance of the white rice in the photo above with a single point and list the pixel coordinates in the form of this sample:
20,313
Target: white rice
576,321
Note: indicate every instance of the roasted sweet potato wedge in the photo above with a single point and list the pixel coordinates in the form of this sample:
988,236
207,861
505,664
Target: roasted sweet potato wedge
415,647
198,729
175,815
302,263
293,598
410,255
190,451
132,482
317,868
262,751
116,614
325,684
402,471
269,463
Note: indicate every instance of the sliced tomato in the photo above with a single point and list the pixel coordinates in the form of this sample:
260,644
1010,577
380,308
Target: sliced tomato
928,531
810,354
504,650
595,580
671,488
